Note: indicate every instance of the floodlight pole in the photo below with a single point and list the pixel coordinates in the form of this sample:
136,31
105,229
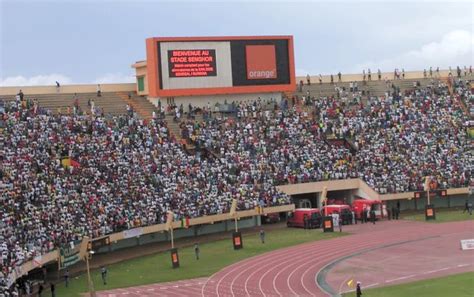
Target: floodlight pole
172,237
89,279
324,200
427,188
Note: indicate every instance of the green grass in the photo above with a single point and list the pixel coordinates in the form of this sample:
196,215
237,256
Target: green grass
213,257
443,215
459,285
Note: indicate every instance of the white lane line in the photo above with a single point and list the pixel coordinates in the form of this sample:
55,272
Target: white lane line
463,265
400,278
436,270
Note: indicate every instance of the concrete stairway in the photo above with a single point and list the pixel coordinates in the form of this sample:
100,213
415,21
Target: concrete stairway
175,130
374,87
110,102
140,104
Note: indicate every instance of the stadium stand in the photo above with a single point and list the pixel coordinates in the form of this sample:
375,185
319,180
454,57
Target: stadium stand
70,174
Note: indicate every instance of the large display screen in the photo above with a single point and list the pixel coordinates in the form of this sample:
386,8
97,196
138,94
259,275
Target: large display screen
192,63
261,61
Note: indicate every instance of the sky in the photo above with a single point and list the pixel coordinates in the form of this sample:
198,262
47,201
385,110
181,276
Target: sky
97,41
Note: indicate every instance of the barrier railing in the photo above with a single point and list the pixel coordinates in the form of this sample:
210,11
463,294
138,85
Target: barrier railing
354,184
54,255
291,189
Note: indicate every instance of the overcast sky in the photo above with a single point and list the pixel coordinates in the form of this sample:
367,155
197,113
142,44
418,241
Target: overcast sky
97,41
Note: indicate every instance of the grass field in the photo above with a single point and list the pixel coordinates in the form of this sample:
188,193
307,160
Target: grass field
459,285
443,215
214,256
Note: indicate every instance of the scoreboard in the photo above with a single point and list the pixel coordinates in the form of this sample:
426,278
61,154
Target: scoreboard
187,66
192,63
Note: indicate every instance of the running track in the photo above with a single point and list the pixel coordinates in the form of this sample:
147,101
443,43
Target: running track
293,271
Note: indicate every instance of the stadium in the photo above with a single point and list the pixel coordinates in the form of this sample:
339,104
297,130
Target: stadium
219,171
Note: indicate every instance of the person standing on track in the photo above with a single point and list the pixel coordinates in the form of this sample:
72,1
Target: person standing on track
358,290
53,290
66,278
196,250
103,272
372,216
466,206
305,221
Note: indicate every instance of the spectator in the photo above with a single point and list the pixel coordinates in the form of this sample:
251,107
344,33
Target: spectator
21,95
262,235
99,91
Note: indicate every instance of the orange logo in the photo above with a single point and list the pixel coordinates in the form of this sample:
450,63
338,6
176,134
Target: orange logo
237,241
261,61
327,224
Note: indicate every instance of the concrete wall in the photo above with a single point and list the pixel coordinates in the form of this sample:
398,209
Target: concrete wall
192,231
67,89
140,71
419,204
314,78
201,101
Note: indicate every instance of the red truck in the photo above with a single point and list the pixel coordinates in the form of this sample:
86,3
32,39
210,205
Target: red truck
335,208
359,205
344,211
297,218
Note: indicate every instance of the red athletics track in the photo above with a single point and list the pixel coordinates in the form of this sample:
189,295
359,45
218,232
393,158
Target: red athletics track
293,271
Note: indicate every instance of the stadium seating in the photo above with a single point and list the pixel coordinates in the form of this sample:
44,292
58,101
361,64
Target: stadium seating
66,176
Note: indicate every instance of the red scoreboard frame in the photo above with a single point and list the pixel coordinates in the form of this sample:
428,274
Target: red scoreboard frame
153,62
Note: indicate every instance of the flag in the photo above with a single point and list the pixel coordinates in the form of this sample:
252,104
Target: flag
184,222
350,283
74,163
66,162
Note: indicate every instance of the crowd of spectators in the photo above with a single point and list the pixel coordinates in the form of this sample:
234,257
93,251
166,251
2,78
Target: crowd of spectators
399,139
124,172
